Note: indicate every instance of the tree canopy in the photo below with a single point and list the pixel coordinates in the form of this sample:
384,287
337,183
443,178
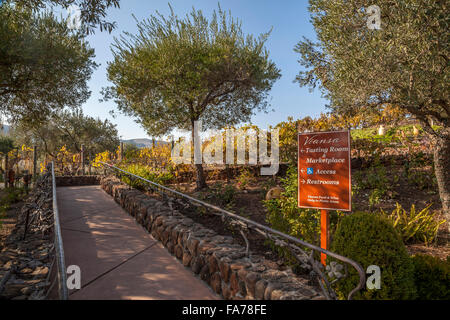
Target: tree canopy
176,71
404,63
6,144
70,129
44,66
93,12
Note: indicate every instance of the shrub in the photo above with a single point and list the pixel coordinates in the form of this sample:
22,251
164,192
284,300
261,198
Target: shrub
146,173
223,196
11,196
414,226
371,240
245,178
284,215
422,179
374,178
432,277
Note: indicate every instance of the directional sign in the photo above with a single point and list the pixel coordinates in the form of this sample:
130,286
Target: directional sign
324,172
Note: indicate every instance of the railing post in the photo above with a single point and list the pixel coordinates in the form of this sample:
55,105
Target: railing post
59,248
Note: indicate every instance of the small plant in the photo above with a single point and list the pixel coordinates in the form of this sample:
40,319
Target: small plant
376,179
421,179
266,185
284,215
416,225
244,179
11,196
375,197
432,277
223,196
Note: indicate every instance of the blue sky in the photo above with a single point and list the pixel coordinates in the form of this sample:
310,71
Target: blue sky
290,21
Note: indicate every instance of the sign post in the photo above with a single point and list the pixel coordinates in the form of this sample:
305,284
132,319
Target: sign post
324,176
324,233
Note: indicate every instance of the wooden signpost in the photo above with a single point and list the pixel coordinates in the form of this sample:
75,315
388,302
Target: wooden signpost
324,175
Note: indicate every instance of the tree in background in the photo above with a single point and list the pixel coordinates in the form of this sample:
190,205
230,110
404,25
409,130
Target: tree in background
44,66
6,144
71,129
405,63
176,71
92,12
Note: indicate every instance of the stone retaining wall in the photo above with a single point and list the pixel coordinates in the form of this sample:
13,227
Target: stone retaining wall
73,181
217,260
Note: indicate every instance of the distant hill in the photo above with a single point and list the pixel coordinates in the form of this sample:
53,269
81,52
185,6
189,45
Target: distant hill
144,143
4,129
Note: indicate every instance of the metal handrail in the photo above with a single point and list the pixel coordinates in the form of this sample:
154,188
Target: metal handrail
248,223
59,249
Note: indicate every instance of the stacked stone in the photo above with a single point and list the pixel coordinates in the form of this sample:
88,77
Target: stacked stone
72,181
25,263
217,260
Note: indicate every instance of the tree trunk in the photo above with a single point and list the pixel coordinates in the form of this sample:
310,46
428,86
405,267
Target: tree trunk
442,170
200,175
201,181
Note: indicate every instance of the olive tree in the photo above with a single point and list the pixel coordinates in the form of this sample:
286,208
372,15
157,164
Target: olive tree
176,71
71,129
92,12
44,66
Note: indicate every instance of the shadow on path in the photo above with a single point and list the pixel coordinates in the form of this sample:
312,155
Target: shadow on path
117,257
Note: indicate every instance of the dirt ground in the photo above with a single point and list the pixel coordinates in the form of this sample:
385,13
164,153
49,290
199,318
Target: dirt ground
248,203
8,221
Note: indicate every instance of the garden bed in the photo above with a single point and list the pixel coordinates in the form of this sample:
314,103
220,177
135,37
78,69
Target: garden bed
216,258
249,204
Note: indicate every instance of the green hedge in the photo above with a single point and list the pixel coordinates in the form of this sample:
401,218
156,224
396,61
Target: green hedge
371,240
432,277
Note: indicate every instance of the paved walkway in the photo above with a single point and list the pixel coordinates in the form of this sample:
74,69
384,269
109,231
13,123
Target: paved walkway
117,257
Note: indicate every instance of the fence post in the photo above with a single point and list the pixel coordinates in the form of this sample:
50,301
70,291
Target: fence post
82,159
